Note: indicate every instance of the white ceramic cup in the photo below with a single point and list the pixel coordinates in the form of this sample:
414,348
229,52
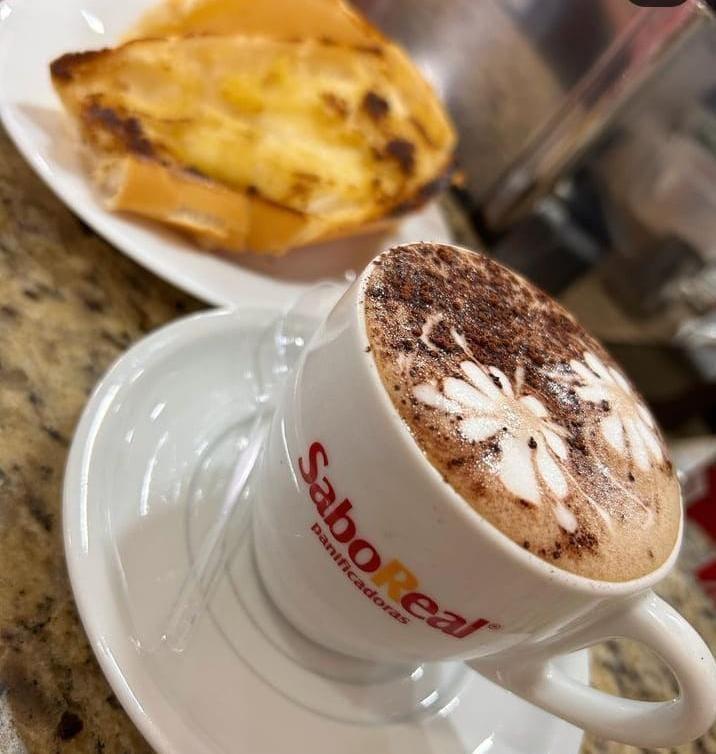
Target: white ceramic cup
367,551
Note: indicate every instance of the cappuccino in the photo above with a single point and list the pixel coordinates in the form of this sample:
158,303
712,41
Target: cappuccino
522,412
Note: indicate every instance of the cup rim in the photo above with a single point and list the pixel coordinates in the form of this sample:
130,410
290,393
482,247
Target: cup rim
536,565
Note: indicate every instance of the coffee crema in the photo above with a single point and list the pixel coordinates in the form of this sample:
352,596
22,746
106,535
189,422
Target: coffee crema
523,413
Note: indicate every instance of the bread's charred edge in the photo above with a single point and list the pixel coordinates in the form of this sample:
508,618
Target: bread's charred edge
426,192
126,129
63,68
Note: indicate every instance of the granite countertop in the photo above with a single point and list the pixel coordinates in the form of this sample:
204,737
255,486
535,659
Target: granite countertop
69,305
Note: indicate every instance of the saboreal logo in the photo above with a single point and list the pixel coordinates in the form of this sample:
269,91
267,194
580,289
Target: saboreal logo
388,584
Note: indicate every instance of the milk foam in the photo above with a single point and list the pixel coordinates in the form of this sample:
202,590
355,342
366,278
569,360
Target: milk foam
522,412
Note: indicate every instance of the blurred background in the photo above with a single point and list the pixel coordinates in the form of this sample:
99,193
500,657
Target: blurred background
588,162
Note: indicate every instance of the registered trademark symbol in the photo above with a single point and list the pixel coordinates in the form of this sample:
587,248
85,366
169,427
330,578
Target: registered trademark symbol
494,626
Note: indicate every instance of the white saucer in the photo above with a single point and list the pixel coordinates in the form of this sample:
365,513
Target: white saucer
33,33
150,455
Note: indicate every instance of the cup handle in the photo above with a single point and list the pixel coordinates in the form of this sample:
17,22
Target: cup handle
646,619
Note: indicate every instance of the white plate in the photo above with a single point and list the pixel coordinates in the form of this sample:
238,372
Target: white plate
150,455
34,32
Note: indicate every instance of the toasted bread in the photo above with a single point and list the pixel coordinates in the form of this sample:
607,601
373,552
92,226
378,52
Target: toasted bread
249,142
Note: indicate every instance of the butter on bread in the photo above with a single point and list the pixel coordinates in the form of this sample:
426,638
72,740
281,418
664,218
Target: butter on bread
250,142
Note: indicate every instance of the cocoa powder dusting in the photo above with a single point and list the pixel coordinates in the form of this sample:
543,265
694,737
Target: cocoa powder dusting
494,380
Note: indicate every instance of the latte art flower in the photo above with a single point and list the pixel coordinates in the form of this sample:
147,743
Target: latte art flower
626,425
531,446
492,380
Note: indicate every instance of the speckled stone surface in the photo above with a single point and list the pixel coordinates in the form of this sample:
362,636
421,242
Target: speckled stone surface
69,305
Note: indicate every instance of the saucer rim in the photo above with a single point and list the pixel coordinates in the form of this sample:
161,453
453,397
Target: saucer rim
178,333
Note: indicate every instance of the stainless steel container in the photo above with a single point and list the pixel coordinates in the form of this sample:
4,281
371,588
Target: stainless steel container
530,83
